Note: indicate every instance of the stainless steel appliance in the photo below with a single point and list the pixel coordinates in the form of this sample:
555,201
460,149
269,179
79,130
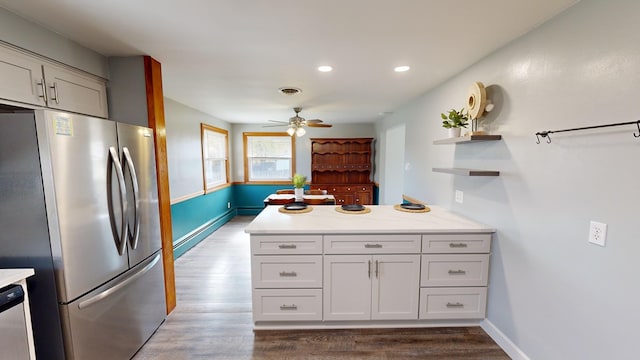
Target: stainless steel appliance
78,202
13,328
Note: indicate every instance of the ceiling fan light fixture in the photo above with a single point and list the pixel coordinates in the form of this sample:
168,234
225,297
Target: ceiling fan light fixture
325,68
291,130
287,90
300,131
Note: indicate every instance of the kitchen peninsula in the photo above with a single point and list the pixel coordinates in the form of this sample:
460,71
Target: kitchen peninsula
383,268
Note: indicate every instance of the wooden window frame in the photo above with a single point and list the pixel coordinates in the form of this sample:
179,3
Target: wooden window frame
246,135
205,184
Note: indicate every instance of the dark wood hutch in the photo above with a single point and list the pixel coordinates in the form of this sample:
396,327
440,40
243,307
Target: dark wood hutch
342,166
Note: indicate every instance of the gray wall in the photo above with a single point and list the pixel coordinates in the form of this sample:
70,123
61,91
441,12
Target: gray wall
303,144
184,149
554,295
127,90
30,36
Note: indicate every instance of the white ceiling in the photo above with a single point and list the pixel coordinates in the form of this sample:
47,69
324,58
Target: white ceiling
228,58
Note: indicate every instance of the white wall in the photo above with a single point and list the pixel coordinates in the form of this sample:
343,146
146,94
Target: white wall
184,148
303,144
551,292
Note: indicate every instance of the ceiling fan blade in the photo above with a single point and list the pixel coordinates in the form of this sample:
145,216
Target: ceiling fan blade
314,121
278,121
319,125
279,125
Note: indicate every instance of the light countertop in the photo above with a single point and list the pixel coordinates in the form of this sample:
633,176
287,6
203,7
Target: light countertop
12,276
324,219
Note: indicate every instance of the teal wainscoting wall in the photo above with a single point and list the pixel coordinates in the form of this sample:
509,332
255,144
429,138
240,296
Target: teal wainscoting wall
249,198
195,219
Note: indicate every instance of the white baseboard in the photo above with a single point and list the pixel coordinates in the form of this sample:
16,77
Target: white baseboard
503,341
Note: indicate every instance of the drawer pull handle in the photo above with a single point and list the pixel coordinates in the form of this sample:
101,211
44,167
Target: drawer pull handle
289,307
457,272
288,273
455,305
373,246
457,245
287,246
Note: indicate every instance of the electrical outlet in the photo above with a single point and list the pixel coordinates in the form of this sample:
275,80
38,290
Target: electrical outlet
228,205
597,233
459,196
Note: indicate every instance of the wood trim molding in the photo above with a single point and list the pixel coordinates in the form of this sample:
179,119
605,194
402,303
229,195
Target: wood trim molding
155,113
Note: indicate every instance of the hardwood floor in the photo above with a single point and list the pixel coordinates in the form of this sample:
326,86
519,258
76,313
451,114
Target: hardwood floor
212,319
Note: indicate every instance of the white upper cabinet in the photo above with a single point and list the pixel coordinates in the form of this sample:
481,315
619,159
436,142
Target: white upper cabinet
74,91
33,80
21,78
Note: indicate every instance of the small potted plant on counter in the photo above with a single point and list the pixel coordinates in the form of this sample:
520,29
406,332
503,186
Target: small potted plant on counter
298,186
454,120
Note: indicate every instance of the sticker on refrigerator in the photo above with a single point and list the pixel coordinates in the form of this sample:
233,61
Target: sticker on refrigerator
63,125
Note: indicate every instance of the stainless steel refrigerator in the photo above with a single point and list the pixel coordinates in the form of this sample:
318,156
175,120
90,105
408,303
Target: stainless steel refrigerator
79,204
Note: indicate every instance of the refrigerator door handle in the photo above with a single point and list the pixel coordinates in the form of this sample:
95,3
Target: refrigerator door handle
124,283
113,162
133,238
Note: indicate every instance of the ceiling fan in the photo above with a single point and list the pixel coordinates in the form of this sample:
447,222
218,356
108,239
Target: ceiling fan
296,123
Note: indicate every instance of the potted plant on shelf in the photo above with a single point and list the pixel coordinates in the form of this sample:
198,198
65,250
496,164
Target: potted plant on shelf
454,120
298,186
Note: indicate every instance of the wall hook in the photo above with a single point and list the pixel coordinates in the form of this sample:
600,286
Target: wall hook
637,124
544,134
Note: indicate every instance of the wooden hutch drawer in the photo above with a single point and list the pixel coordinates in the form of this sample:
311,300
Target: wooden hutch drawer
286,244
455,270
453,303
288,271
287,304
456,243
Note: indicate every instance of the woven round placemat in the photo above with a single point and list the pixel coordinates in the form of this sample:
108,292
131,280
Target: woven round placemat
400,208
285,211
365,211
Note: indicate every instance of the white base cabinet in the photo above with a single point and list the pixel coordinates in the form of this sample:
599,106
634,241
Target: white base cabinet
366,287
306,280
32,80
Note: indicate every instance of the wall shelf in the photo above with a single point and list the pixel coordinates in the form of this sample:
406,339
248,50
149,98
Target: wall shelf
467,139
467,172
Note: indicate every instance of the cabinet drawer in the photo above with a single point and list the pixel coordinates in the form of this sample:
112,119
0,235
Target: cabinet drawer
286,271
453,303
456,243
454,270
286,244
371,244
341,189
287,305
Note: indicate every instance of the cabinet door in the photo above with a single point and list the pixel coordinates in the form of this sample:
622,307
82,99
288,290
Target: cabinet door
347,287
395,287
73,91
364,198
21,78
344,199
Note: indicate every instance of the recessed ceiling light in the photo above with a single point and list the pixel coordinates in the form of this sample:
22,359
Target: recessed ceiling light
401,68
325,68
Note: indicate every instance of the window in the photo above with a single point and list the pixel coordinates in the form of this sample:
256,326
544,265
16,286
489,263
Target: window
215,161
269,157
